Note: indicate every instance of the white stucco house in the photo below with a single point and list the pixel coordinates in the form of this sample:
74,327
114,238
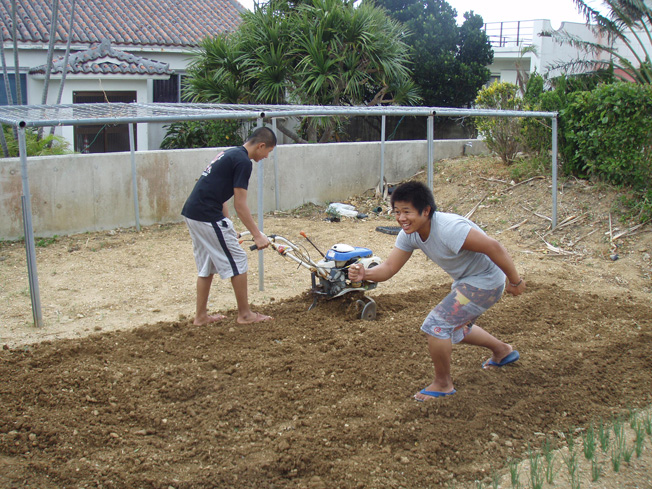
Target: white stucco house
509,38
121,51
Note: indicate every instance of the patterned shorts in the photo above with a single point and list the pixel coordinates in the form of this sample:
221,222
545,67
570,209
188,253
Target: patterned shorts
453,317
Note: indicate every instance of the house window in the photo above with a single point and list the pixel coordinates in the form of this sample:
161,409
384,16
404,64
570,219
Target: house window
169,91
12,85
104,138
492,79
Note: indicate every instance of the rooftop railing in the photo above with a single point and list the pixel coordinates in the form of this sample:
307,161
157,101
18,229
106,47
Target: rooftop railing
516,33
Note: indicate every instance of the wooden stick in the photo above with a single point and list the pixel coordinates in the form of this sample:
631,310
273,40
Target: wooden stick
581,238
470,213
628,231
523,182
515,226
494,180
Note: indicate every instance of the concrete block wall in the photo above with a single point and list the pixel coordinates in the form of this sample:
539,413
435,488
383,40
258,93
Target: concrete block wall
91,192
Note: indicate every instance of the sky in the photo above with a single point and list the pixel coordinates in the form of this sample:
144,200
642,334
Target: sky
557,11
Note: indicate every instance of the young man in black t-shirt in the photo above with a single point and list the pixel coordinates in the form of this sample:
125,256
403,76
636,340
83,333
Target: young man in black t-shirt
215,241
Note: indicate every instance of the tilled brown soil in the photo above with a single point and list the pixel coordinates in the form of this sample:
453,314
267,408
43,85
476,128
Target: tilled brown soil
315,398
318,398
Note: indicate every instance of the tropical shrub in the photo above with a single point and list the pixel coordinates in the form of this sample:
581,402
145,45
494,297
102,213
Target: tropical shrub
608,133
502,134
202,134
48,145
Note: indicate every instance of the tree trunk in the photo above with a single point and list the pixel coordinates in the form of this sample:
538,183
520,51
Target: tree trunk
289,133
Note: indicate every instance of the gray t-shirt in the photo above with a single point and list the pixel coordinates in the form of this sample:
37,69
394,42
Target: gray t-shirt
447,235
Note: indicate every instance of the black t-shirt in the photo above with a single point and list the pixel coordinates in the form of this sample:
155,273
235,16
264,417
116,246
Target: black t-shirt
230,169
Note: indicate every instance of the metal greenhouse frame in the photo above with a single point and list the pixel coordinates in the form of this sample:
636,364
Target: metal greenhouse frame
22,117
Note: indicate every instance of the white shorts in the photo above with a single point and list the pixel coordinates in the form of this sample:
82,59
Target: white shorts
216,248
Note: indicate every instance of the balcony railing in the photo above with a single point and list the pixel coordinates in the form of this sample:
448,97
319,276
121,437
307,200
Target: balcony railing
516,33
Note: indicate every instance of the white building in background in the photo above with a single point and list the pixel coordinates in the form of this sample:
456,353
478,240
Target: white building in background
121,51
508,40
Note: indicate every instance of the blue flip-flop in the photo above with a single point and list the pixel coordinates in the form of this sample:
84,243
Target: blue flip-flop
511,358
435,394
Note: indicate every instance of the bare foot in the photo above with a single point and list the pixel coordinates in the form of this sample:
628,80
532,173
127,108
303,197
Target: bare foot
255,318
208,319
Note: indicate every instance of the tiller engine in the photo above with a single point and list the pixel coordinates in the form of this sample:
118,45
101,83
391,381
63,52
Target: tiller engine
329,275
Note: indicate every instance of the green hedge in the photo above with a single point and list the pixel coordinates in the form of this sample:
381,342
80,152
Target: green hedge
608,134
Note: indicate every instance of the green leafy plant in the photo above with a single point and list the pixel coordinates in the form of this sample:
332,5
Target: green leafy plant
640,438
315,52
647,423
618,446
514,473
588,442
202,134
49,145
596,470
502,134
572,465
536,469
549,455
603,436
570,441
45,242
609,135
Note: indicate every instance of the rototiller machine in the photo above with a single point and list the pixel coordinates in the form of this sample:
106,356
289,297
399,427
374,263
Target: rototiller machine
329,275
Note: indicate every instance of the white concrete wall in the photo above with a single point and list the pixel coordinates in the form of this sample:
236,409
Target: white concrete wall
79,193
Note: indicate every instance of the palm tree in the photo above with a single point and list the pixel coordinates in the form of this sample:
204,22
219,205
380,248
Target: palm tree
627,24
315,52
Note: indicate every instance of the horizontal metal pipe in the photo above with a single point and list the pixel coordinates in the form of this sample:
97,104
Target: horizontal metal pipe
122,113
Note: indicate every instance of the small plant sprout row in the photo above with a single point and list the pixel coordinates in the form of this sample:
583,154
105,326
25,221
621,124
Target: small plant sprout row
570,441
632,417
647,422
603,436
536,469
514,473
595,469
549,455
573,470
640,438
495,480
618,447
588,442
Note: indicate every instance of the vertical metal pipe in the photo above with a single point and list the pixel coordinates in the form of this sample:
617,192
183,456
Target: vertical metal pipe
383,126
261,259
30,249
554,172
431,150
134,183
276,192
518,34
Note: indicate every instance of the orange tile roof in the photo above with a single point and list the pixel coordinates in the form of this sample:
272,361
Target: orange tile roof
125,23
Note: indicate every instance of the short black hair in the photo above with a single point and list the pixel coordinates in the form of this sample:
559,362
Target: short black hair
262,135
416,193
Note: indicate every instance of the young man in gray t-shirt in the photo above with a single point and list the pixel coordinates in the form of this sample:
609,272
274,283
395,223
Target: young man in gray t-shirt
479,266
